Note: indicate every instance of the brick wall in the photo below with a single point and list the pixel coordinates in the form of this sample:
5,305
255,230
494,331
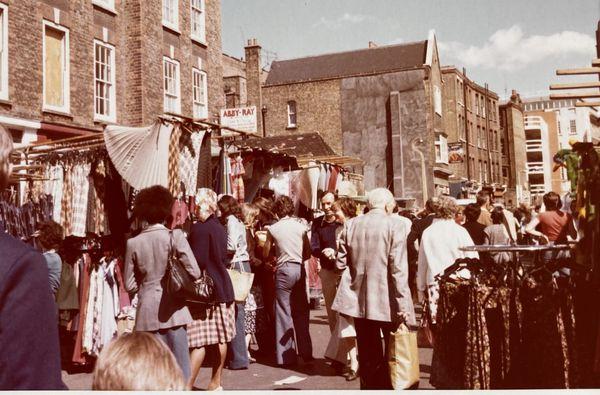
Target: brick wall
135,29
318,110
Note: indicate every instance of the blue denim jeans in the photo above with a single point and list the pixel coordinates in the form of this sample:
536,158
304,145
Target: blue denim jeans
292,314
176,339
237,352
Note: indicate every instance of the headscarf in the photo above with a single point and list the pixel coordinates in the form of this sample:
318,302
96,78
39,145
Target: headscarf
206,202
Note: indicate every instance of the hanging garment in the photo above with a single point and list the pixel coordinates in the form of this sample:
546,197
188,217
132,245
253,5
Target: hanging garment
110,303
141,155
188,163
80,199
333,179
322,178
54,187
92,326
180,213
124,300
204,179
237,181
174,185
66,217
84,290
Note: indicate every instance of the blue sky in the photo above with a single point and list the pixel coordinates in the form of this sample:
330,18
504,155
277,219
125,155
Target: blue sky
511,44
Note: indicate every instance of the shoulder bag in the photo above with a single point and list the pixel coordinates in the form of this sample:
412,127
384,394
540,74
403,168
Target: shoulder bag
179,283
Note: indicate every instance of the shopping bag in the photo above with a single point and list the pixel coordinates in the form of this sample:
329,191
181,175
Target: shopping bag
424,333
242,282
403,358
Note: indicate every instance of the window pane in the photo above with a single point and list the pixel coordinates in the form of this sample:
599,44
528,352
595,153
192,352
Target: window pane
54,72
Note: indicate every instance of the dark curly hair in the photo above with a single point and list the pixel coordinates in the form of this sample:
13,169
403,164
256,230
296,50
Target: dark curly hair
153,204
228,205
283,207
51,235
265,205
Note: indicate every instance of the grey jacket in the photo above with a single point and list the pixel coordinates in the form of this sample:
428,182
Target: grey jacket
145,265
375,283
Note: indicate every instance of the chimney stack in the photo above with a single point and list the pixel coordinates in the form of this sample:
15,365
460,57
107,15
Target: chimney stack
253,78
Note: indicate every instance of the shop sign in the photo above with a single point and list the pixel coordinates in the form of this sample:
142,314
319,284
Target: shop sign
243,119
456,153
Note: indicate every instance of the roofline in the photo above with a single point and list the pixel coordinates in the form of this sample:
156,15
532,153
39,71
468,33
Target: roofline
352,50
346,76
233,57
470,82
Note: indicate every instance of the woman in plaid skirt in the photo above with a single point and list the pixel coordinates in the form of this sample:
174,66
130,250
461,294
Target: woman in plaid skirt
214,325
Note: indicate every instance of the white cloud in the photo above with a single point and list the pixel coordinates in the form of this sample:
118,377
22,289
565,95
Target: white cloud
396,41
345,19
510,49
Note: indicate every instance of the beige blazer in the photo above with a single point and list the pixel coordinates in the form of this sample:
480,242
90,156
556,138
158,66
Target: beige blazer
373,252
145,265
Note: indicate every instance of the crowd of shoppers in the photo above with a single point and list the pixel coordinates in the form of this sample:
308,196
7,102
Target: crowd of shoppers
368,265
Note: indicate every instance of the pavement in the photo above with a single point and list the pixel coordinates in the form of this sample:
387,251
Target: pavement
265,375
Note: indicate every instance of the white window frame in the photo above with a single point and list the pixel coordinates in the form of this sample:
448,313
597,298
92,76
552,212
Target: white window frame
4,54
290,113
174,24
66,108
441,145
204,79
177,78
112,99
571,123
194,9
106,4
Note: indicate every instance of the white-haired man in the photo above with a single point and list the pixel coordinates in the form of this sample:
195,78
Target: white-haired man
30,356
374,290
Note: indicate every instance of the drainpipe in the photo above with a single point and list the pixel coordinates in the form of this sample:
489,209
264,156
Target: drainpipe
414,142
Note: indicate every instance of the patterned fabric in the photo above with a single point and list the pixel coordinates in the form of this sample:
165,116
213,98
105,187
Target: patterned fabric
188,163
211,325
237,180
250,322
67,200
174,186
80,199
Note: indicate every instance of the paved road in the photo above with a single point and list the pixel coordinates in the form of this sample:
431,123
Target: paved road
263,374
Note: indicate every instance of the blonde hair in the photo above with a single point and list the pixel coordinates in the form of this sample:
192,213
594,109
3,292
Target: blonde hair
447,207
137,362
6,147
250,214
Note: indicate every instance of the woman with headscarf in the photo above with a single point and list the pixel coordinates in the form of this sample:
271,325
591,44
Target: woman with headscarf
214,325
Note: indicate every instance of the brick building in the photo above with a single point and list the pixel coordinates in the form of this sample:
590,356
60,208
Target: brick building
73,66
514,155
471,122
380,104
557,122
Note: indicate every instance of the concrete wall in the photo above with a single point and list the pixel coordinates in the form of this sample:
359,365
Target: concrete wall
366,123
318,110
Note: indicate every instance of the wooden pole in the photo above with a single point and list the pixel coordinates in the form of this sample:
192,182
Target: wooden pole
582,71
580,85
588,104
560,96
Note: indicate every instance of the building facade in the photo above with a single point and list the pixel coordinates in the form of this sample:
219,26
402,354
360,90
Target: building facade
560,123
471,121
381,104
514,151
74,66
